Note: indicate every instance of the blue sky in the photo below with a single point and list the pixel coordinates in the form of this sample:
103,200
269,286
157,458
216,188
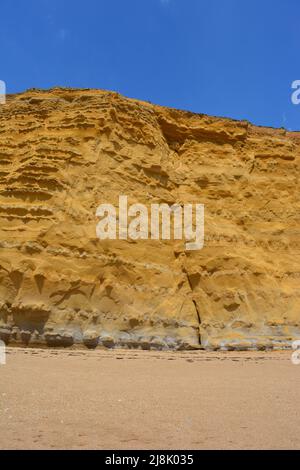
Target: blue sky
234,58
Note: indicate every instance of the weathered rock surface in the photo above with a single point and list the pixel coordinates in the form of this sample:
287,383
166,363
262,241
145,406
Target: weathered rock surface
63,152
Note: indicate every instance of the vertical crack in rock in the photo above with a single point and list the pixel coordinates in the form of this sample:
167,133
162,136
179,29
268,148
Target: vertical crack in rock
195,304
199,319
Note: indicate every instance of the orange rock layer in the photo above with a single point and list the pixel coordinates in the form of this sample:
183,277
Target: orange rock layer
63,152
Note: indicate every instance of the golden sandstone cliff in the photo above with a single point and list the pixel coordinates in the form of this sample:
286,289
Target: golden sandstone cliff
63,152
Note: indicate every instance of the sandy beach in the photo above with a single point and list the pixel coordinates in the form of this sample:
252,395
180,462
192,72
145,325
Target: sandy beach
75,399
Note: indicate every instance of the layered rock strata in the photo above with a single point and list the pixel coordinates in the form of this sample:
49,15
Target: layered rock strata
63,152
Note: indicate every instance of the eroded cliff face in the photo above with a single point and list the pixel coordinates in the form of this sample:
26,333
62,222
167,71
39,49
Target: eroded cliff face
63,152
